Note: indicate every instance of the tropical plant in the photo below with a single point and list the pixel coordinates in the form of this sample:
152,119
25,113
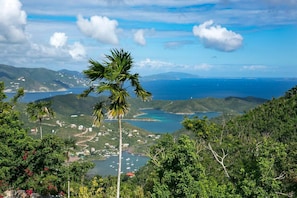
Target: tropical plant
112,76
13,139
178,171
38,111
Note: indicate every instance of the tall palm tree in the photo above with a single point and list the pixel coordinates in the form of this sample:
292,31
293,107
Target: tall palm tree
112,76
38,111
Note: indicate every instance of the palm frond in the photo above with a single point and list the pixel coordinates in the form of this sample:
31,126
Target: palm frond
86,92
96,70
117,110
98,113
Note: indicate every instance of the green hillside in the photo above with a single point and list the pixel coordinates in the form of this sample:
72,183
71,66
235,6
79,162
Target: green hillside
72,104
276,118
38,79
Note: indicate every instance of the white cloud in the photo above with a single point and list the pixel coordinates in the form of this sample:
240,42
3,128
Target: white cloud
12,21
58,39
217,37
139,37
77,51
254,67
100,28
153,64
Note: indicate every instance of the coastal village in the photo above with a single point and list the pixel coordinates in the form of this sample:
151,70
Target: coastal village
99,142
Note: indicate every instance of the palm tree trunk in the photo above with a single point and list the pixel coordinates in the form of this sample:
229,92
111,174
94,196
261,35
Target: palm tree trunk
40,129
120,157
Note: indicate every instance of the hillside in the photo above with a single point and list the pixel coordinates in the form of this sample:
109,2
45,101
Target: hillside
276,118
39,79
71,104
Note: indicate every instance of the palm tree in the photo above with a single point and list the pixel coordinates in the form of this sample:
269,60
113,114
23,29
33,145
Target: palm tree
112,76
38,111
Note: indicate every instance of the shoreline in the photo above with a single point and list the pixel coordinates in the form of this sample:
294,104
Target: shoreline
35,91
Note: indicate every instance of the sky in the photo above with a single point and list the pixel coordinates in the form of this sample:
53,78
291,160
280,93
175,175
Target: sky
209,38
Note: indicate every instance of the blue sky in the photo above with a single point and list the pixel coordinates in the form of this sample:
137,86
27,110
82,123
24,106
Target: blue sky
209,38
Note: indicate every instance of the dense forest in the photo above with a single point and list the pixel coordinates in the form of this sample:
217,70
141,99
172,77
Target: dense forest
250,155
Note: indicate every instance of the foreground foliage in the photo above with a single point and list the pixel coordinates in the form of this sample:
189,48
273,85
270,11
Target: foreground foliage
27,163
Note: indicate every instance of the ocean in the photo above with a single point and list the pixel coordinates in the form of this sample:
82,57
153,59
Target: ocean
184,89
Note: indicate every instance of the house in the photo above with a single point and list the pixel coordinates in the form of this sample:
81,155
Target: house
125,145
130,174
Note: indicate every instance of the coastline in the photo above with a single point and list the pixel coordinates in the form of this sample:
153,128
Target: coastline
10,91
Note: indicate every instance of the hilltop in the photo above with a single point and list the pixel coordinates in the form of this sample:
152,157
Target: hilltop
72,104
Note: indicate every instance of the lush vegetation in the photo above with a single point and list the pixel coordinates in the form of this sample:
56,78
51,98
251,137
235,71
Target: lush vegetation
27,163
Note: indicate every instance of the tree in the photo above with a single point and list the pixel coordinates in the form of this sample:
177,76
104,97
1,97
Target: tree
112,76
38,111
178,171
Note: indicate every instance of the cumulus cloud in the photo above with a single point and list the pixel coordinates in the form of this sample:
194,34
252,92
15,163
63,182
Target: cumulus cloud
100,28
77,51
12,21
58,39
217,37
139,37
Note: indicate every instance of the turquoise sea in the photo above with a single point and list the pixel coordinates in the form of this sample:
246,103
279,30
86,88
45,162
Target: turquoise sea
130,163
165,122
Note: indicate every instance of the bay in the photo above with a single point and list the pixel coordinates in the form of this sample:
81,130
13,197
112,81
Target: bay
130,163
165,122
